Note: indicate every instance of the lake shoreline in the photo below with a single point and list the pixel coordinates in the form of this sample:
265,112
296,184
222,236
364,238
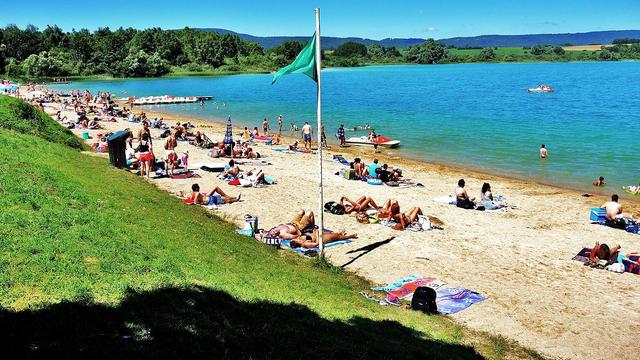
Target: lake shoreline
393,157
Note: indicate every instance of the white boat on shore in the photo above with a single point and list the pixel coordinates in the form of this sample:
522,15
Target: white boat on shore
380,141
165,100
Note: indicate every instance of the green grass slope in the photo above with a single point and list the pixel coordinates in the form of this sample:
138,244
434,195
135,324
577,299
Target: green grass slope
95,262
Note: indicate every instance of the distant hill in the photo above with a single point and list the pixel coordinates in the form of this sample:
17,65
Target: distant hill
587,38
329,42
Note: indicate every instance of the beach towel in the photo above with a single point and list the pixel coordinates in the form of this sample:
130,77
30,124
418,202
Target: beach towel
397,284
630,267
456,299
583,255
406,291
449,200
183,176
303,251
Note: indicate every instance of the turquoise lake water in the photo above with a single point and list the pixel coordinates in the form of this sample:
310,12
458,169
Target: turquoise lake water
476,116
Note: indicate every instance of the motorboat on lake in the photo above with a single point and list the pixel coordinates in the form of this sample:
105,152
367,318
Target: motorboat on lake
542,88
378,140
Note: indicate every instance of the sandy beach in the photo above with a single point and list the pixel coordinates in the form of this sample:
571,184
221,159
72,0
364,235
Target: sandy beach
519,258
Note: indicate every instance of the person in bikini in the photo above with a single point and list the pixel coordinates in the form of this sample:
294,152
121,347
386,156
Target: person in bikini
214,197
363,203
303,220
170,157
311,241
391,210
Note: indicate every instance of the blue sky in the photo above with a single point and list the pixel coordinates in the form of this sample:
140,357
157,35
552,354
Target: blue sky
373,19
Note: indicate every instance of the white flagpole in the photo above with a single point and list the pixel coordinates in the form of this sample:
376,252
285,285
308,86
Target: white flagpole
319,116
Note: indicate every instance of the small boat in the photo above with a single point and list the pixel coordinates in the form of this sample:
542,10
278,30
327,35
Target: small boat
380,141
541,88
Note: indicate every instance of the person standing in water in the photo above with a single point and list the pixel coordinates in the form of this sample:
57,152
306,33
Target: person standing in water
599,181
265,126
543,152
280,125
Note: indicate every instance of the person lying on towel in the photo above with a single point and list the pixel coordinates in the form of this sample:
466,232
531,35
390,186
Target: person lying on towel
611,255
214,197
311,241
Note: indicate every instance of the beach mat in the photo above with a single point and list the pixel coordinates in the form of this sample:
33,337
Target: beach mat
583,255
189,175
632,268
456,299
406,291
303,251
397,284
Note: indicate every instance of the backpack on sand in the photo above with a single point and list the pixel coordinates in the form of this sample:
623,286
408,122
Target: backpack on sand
424,299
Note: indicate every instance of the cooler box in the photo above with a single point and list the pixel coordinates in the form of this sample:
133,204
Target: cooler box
597,215
349,174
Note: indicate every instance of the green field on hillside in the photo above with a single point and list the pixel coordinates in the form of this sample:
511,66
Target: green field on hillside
95,262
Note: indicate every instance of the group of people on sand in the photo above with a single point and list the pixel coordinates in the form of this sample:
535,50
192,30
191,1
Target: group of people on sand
390,210
487,200
375,171
302,232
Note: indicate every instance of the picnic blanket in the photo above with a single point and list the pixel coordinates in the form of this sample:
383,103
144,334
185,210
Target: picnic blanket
183,176
303,251
397,284
456,299
630,267
299,151
583,255
406,291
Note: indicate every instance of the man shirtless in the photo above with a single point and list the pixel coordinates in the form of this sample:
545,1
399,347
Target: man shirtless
543,152
170,157
614,209
307,131
214,197
462,198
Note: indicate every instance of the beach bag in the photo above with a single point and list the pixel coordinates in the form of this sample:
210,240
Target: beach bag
334,208
271,241
424,299
234,182
424,222
617,268
251,222
350,174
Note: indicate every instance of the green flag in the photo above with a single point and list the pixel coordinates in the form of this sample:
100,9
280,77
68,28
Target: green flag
305,63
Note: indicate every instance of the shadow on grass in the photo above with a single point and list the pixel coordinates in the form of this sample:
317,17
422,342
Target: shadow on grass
199,322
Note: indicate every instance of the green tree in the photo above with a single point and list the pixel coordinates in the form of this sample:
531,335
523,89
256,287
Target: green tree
487,54
537,50
20,44
53,37
349,49
558,50
288,49
140,64
43,64
429,52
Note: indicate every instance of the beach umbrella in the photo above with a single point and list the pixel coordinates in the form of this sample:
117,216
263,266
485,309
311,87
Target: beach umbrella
228,136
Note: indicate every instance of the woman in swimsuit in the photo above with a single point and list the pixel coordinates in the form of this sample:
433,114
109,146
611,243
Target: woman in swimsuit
363,203
145,155
170,156
391,210
311,241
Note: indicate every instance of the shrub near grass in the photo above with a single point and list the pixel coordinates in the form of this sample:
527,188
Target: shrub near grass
95,261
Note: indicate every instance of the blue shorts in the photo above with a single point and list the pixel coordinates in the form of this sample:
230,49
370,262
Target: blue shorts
215,200
307,137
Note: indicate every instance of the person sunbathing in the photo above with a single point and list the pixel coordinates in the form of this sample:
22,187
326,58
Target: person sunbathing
294,146
231,170
303,220
363,203
462,198
311,241
391,210
214,197
487,198
611,255
614,216
358,168
255,178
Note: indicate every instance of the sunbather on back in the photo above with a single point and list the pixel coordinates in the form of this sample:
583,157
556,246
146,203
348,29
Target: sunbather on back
311,241
214,197
363,203
303,221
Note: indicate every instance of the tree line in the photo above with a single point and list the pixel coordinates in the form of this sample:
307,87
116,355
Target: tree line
126,52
